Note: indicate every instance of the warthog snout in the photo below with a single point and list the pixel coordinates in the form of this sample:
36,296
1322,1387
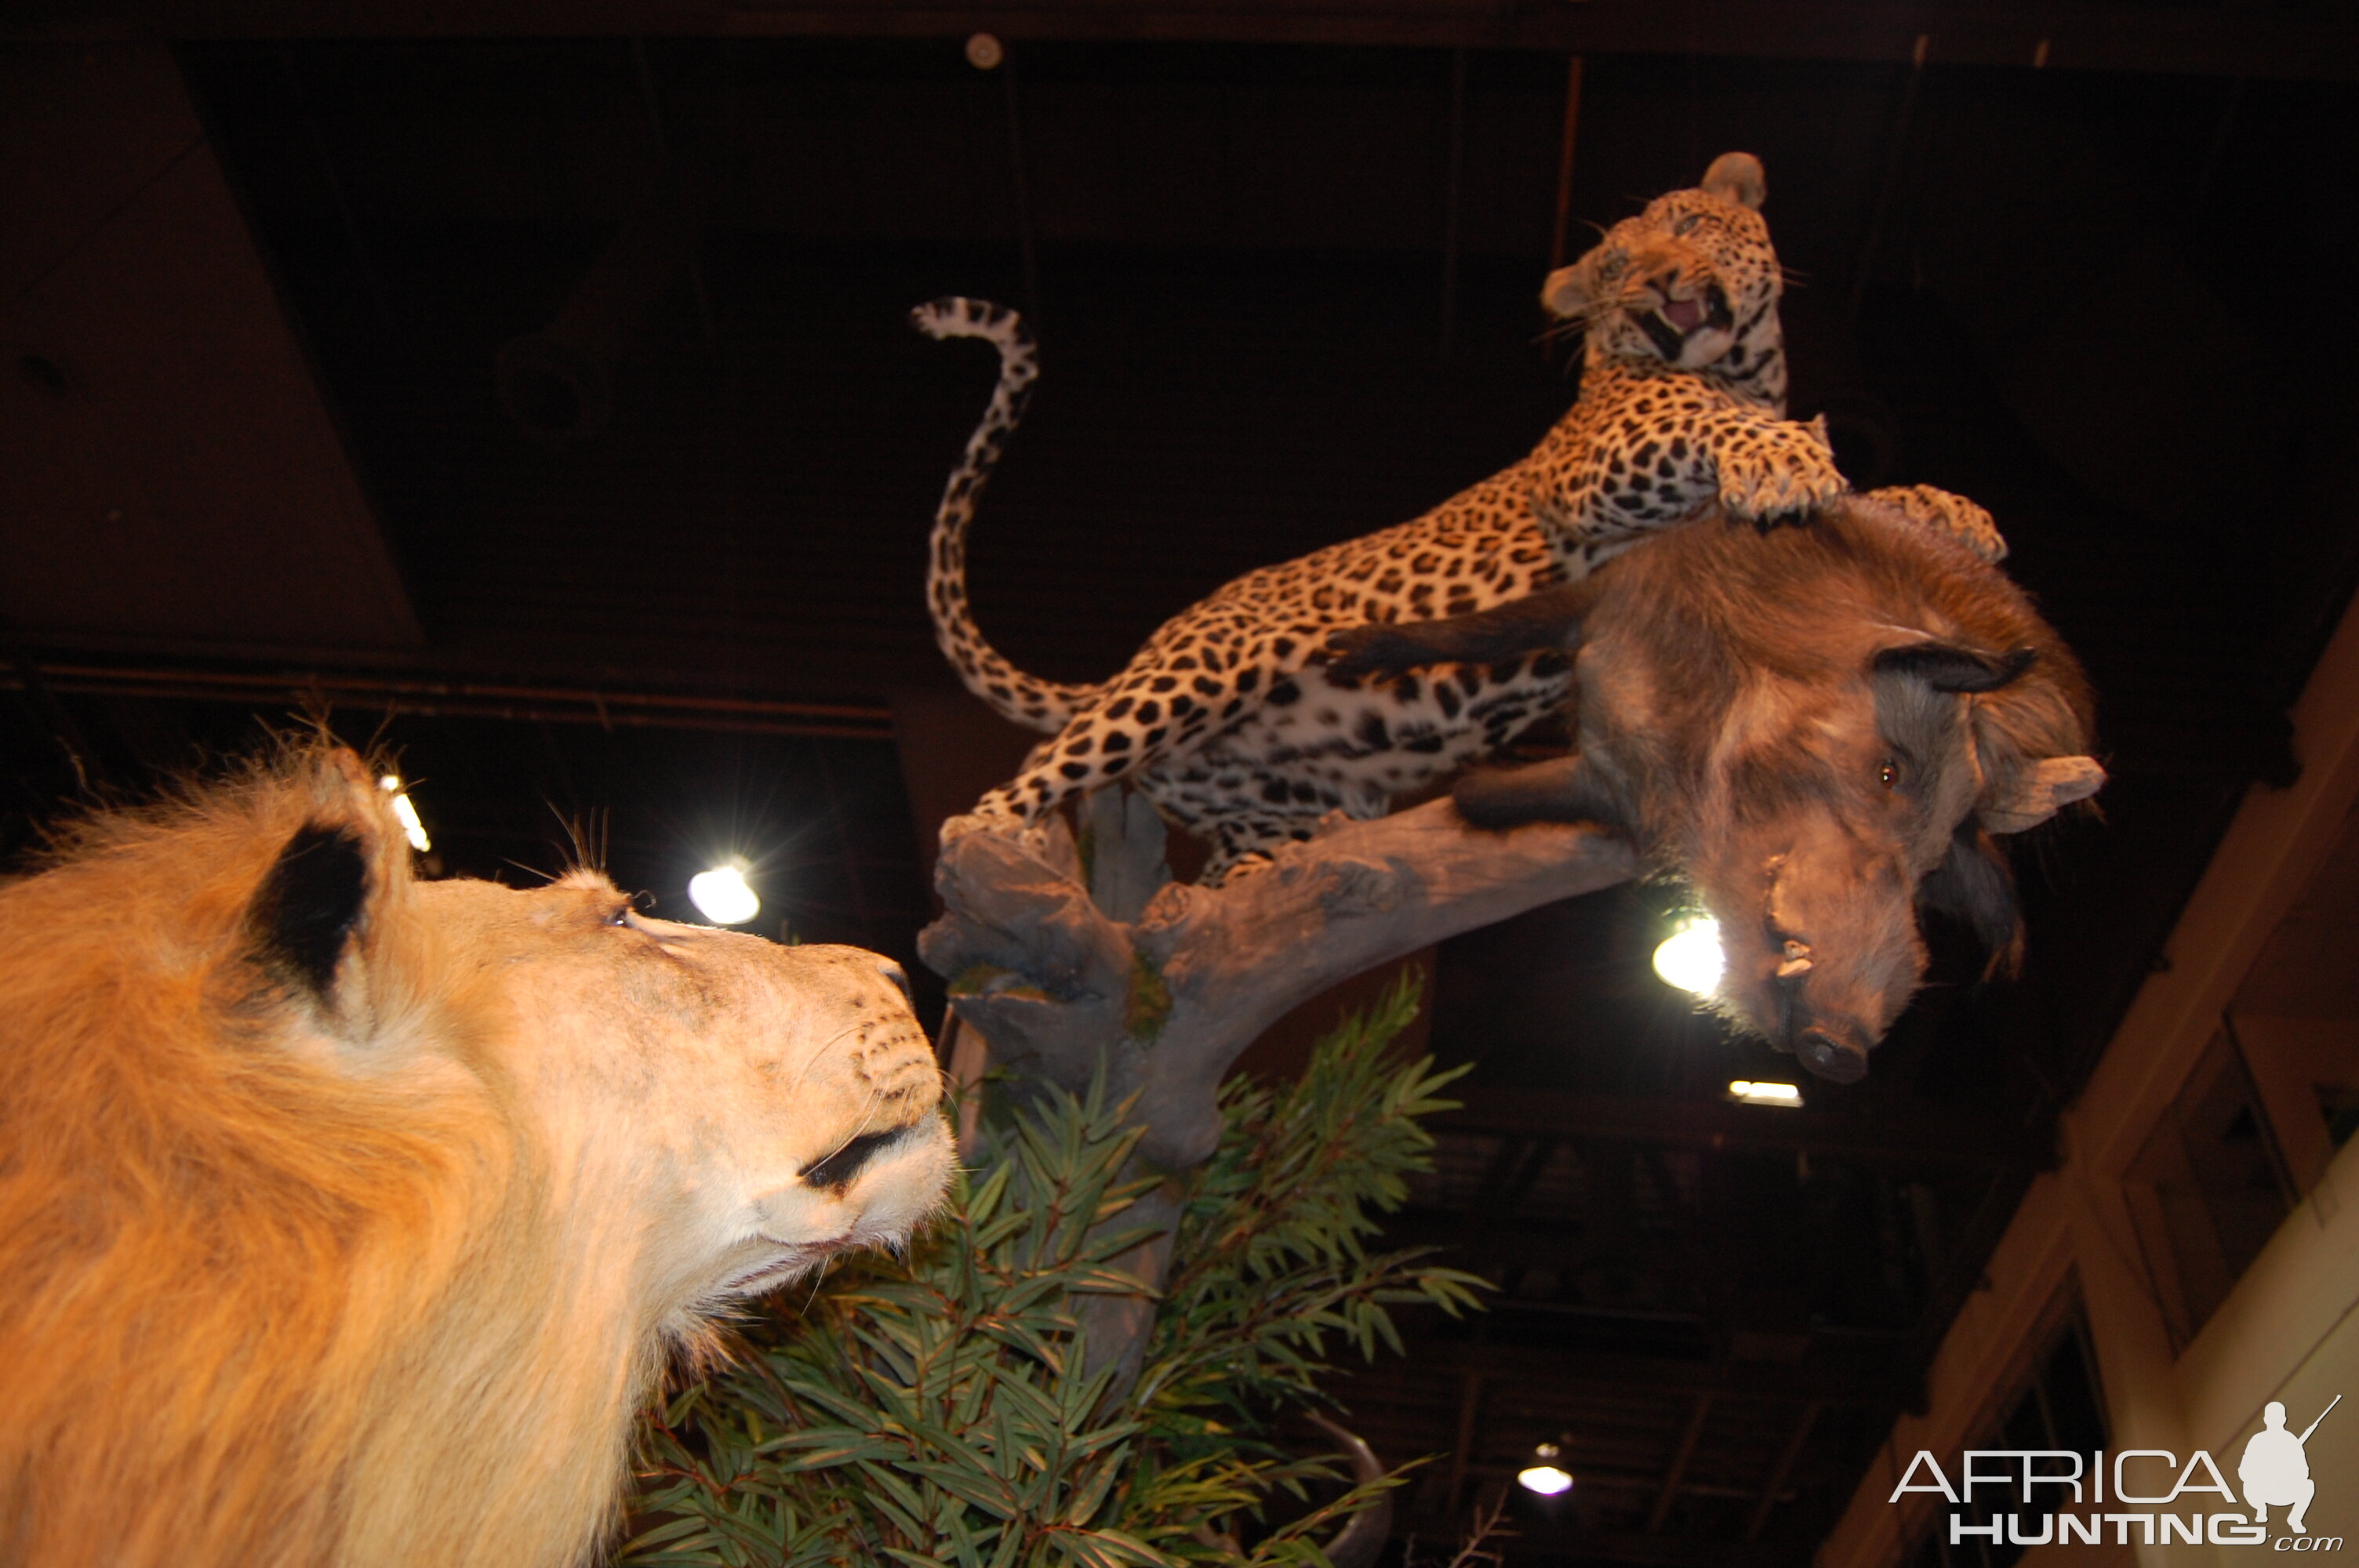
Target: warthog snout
1820,729
1835,1049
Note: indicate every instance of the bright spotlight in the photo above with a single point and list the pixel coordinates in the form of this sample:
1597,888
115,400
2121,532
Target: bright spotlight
1546,1477
722,896
405,811
1748,1091
1689,957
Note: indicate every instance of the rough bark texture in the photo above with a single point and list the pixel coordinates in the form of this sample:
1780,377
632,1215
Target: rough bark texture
1054,978
1058,953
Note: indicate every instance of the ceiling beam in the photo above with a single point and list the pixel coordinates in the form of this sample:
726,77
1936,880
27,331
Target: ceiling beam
2224,41
1536,1369
1537,1540
1912,1141
1774,1488
1678,1469
438,695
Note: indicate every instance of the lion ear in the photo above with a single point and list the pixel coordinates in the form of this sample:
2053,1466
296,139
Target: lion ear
1738,177
310,905
317,903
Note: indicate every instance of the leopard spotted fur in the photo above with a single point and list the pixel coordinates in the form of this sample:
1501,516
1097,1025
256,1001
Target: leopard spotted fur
1225,719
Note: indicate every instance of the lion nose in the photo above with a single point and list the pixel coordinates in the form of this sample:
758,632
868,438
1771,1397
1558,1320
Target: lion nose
894,973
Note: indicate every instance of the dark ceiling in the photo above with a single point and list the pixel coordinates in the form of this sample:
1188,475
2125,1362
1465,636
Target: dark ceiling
1285,295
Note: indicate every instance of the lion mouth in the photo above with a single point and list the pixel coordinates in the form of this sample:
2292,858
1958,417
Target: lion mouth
794,1260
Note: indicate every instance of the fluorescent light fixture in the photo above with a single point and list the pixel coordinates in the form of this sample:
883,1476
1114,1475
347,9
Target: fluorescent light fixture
722,896
1689,957
1546,1477
405,812
1748,1091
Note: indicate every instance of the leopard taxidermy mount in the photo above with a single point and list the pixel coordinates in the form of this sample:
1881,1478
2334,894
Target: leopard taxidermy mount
1225,719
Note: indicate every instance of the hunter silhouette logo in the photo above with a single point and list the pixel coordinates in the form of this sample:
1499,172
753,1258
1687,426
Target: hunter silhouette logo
2275,1469
2135,1497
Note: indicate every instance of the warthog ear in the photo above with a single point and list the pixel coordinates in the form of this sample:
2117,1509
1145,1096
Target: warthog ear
1974,883
1955,667
2047,787
1737,177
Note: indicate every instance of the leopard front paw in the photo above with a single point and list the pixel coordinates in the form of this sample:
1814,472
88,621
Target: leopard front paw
1778,473
982,819
1949,512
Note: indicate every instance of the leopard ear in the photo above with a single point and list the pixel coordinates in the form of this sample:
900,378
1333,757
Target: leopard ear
1737,177
1567,292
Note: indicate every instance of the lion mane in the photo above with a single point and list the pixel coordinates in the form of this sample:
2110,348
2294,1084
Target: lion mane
319,1247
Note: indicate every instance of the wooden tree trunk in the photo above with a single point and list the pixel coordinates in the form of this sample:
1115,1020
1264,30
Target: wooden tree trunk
1059,955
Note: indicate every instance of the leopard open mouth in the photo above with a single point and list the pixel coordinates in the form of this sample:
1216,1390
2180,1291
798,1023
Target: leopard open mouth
1670,324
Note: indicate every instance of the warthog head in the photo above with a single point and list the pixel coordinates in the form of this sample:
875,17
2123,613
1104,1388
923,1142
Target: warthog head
1819,729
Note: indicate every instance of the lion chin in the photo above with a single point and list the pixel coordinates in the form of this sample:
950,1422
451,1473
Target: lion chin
348,1217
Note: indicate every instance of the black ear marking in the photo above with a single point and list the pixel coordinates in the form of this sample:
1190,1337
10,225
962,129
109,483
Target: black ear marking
1953,666
305,910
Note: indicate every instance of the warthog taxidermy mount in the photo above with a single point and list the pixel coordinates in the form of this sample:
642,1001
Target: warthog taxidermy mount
1819,727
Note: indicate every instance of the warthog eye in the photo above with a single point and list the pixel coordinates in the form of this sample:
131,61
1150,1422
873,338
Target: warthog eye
1889,773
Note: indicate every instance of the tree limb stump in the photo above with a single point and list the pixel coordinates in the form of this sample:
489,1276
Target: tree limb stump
1060,955
1054,980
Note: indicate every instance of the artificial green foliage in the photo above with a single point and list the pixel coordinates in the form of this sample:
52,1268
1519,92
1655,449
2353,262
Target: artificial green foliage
938,1413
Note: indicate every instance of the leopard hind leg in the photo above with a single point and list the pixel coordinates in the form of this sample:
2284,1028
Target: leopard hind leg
1107,743
1146,721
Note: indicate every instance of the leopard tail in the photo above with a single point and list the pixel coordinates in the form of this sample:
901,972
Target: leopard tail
1026,699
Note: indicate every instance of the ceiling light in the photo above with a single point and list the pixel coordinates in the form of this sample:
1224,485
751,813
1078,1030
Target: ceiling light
722,896
1748,1091
1689,957
1546,1476
406,813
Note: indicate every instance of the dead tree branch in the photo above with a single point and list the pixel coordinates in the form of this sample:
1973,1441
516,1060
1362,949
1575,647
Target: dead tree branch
1059,955
1054,980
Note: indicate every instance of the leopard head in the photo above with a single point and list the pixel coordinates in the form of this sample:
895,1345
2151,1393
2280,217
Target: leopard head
1691,282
